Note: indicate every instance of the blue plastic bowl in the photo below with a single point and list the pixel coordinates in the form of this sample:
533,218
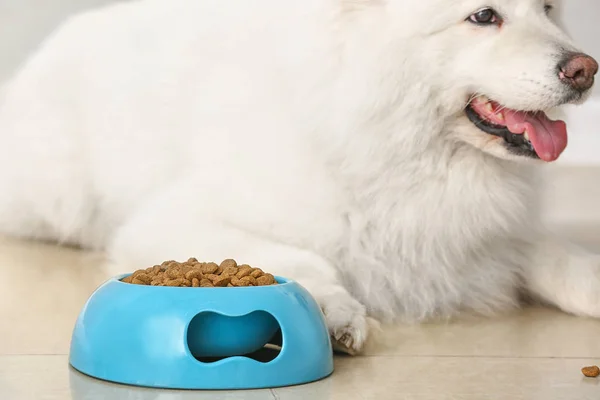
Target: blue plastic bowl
160,336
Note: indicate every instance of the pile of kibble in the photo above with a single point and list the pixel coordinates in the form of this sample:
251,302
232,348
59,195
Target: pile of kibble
192,273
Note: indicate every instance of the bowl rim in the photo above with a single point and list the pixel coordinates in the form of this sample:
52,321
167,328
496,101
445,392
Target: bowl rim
282,282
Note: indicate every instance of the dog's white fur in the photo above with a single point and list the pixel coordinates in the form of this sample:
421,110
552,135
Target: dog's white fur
323,140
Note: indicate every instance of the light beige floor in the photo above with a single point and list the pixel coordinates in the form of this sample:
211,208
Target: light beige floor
534,354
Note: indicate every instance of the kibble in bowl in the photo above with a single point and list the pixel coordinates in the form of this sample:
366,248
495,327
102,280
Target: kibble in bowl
193,273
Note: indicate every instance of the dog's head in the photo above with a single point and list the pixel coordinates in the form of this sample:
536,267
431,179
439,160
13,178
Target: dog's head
497,66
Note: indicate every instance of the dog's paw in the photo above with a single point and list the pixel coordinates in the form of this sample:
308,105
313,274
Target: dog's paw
349,340
347,322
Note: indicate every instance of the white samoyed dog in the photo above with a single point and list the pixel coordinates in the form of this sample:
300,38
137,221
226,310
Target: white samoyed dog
380,152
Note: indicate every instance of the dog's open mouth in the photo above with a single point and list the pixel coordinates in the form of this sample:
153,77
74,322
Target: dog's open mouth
530,134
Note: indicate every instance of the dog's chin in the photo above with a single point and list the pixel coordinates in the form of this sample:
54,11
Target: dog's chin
511,134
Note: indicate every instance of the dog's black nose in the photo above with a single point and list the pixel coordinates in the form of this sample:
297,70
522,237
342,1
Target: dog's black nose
578,70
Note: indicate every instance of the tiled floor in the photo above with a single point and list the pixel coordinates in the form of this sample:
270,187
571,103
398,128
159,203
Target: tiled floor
534,354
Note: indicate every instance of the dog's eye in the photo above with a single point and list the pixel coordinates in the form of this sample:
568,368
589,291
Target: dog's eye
548,8
485,16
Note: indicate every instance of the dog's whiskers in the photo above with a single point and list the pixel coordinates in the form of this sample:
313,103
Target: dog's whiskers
474,96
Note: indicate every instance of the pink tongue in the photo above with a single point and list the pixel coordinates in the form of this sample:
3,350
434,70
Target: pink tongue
549,138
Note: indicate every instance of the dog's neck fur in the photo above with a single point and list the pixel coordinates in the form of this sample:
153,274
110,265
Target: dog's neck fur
436,212
402,209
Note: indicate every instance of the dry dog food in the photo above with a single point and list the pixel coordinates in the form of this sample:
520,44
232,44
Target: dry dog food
199,274
591,372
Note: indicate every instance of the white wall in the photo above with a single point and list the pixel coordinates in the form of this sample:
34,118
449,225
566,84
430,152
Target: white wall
24,23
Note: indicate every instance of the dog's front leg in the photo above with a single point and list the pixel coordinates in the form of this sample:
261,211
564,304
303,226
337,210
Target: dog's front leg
565,276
